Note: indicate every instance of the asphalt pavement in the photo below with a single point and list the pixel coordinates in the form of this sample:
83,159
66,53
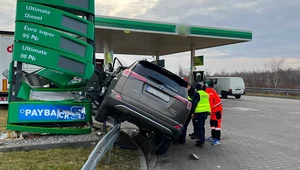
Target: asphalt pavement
257,133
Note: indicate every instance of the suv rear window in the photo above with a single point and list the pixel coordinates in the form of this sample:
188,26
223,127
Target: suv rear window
161,76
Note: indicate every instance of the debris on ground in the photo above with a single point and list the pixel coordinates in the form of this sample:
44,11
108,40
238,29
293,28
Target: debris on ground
10,135
194,156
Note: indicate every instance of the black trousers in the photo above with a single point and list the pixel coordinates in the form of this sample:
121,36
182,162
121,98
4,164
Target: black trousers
186,124
216,134
199,121
216,126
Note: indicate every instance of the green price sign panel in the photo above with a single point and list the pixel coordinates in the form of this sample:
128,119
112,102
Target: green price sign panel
44,15
198,61
57,77
78,5
52,59
50,38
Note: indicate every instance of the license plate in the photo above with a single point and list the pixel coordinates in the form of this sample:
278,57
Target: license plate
158,93
238,91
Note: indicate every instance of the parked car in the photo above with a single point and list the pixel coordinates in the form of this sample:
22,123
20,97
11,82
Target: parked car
152,98
225,86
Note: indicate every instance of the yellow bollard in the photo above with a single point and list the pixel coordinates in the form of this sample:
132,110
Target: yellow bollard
4,85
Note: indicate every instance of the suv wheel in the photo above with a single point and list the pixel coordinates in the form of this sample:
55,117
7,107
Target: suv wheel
164,145
102,114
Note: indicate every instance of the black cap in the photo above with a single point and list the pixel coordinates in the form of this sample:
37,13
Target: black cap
198,86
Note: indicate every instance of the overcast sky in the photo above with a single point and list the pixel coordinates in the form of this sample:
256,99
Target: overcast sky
275,25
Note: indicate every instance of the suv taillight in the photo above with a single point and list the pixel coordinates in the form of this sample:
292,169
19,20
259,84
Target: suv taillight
189,106
185,101
178,127
126,72
118,96
132,74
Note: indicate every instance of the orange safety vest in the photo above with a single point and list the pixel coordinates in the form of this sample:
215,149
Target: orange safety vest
214,101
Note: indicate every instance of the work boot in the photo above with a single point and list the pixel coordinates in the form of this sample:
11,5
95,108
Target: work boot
200,145
181,142
199,142
194,136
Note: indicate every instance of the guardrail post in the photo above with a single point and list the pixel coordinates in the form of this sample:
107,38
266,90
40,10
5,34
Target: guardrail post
107,162
104,127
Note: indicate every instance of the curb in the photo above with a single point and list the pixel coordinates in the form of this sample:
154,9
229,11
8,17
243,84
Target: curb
153,161
77,144
142,158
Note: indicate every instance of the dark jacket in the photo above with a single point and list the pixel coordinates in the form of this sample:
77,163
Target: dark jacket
191,92
195,101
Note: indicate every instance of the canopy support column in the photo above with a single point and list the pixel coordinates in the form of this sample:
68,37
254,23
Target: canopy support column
192,63
157,57
108,52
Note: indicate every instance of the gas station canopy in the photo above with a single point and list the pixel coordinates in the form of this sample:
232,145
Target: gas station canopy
128,36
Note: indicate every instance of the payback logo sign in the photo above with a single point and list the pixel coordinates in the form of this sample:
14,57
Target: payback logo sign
50,112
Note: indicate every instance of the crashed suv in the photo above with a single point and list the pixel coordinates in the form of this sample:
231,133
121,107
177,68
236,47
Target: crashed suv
152,98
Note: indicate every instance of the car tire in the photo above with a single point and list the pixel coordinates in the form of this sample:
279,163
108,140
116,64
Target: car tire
102,114
164,145
224,95
238,96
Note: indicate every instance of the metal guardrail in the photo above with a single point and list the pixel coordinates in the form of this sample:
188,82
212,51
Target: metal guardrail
104,145
275,90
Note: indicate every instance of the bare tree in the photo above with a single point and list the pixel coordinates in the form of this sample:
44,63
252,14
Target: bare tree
275,66
274,74
207,73
186,72
180,71
223,72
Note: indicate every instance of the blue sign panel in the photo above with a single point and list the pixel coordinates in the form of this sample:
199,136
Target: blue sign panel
51,112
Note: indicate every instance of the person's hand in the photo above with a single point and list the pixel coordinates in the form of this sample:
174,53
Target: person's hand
193,115
209,113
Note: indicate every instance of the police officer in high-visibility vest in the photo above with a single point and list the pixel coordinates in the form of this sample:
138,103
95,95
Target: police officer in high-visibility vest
191,92
200,109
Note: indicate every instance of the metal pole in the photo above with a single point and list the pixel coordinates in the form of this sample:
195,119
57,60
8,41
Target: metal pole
92,42
18,82
105,50
108,50
157,57
91,18
12,82
192,63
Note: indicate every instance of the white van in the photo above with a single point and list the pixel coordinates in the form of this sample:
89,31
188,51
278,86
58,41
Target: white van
225,86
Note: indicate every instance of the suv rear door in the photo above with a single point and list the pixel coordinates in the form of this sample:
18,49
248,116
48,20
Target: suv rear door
157,91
